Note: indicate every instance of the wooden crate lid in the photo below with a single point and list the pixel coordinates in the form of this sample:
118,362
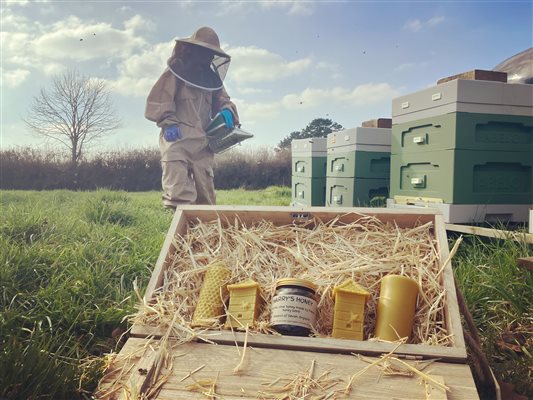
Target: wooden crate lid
263,370
477,75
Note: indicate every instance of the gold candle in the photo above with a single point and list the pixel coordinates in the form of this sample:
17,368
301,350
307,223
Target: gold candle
210,305
396,307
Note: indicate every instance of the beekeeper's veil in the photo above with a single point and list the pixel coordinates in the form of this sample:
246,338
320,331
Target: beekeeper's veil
210,73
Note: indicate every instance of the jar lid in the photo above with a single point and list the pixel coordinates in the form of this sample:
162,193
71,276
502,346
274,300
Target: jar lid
296,282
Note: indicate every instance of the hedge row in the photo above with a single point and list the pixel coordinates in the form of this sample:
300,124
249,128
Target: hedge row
135,170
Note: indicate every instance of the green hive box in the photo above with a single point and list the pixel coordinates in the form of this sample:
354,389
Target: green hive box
350,192
308,191
359,153
358,167
309,157
309,167
464,176
466,131
359,164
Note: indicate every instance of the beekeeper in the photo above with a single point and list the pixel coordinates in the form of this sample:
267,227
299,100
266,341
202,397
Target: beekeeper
182,102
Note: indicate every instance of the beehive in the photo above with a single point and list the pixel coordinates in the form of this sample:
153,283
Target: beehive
464,96
349,192
360,153
308,171
309,157
244,304
358,166
464,176
464,131
349,312
464,147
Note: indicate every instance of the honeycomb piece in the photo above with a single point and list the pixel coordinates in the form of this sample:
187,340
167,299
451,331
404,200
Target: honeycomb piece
211,300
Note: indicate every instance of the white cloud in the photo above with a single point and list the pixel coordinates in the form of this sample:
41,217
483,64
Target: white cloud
369,93
149,62
138,73
18,3
405,67
290,7
410,66
22,3
128,86
49,48
12,42
251,112
14,22
294,7
435,21
234,8
416,25
17,50
312,98
249,90
253,64
137,23
333,70
14,78
74,40
53,68
188,4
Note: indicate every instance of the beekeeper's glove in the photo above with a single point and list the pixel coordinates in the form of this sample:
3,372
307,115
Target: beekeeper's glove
228,117
172,133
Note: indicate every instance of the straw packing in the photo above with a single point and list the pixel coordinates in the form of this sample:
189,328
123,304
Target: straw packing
325,253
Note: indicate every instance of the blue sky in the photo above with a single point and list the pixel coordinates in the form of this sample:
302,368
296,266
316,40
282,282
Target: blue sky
292,61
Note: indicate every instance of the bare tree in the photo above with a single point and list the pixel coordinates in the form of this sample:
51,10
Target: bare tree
76,111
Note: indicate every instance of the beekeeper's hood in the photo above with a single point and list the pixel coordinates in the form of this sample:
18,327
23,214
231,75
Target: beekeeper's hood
199,61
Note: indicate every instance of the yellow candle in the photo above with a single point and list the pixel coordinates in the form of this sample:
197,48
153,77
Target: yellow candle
210,305
396,307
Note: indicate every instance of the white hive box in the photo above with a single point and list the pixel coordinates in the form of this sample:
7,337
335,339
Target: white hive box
484,97
312,147
359,139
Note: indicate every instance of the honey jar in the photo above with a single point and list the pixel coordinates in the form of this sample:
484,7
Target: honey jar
294,306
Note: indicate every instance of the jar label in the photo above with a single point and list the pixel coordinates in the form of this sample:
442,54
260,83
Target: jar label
292,309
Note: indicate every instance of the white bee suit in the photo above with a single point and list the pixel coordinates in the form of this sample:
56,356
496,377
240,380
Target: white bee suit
188,98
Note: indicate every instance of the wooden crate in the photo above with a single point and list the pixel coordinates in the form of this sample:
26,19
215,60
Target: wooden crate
284,216
137,371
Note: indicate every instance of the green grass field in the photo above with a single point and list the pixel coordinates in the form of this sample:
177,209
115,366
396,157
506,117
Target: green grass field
69,260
